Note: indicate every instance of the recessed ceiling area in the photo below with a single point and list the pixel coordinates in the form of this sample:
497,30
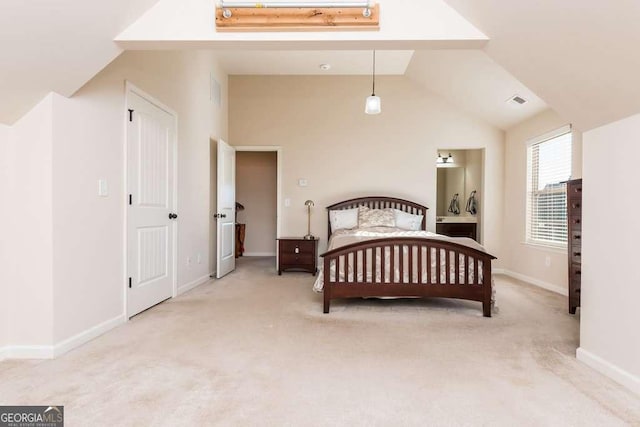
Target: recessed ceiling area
307,62
468,79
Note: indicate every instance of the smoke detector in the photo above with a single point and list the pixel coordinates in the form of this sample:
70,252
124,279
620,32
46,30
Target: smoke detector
324,67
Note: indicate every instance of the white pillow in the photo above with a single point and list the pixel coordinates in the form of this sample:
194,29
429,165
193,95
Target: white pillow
408,221
343,219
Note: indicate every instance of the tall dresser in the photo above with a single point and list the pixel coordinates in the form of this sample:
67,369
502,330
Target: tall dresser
574,246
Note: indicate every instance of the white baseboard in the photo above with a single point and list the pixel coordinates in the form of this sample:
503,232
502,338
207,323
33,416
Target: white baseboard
533,281
53,351
88,335
26,352
259,254
608,369
186,288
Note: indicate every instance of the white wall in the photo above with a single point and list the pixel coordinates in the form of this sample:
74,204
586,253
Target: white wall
524,260
27,239
256,189
89,144
327,139
609,334
67,268
4,229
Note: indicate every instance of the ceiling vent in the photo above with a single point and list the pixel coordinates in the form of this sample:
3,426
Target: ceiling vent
516,99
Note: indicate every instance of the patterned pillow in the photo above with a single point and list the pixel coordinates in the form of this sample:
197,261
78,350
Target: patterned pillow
343,219
368,217
408,221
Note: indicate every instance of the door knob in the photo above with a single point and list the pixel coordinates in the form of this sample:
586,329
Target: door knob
173,216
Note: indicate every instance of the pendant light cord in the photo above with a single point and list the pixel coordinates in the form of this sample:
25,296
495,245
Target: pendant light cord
373,92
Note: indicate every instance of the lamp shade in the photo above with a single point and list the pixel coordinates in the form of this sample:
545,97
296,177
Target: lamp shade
373,105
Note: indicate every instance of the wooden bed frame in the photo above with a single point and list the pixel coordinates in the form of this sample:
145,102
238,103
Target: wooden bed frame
344,285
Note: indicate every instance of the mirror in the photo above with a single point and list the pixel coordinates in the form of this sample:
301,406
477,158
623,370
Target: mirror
451,182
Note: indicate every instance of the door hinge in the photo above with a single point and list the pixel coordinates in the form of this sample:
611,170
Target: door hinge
130,199
130,115
129,282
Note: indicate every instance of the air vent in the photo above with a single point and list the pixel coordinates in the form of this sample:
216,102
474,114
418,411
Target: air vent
516,99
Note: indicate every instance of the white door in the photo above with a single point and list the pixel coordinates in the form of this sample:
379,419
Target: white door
151,143
226,227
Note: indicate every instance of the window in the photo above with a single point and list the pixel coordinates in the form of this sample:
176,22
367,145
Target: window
548,166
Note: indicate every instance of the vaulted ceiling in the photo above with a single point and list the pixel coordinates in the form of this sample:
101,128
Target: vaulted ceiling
57,45
581,56
578,56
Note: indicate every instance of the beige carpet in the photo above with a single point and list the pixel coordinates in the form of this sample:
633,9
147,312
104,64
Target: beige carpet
255,349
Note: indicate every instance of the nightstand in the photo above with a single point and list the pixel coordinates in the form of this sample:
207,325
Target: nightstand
296,253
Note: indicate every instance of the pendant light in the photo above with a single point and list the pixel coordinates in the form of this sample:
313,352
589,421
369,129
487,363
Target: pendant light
373,104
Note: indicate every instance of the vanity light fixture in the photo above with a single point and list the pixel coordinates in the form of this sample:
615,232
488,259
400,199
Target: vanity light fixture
442,160
373,104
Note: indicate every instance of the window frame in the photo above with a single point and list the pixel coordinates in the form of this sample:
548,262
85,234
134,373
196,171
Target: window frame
528,239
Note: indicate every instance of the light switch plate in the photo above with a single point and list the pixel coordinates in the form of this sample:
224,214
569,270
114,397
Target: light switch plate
103,188
287,203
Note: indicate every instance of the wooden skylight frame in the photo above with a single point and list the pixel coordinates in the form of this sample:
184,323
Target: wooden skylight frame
297,16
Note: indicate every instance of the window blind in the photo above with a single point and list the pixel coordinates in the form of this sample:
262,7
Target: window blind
548,166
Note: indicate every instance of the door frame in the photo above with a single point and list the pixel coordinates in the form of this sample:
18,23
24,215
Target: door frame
129,89
278,150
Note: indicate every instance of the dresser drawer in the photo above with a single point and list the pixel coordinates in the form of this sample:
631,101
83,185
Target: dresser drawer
575,239
575,222
574,192
575,271
575,254
297,247
575,207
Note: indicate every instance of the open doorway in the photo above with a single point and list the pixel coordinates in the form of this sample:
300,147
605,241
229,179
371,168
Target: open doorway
258,172
257,203
460,182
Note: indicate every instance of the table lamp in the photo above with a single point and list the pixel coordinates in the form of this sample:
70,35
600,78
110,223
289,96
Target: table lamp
309,204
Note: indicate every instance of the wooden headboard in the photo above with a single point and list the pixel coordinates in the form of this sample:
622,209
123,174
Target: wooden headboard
379,202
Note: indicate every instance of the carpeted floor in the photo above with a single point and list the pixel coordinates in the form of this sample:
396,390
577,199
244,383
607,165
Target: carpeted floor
255,349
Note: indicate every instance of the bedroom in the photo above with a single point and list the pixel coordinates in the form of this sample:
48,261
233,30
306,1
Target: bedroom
400,133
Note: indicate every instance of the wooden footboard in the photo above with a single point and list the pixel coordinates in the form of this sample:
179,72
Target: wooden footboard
408,267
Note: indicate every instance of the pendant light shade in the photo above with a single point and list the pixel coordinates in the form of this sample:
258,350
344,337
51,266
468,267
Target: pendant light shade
373,104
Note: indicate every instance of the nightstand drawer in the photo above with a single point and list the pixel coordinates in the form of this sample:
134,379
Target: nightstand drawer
297,247
297,259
